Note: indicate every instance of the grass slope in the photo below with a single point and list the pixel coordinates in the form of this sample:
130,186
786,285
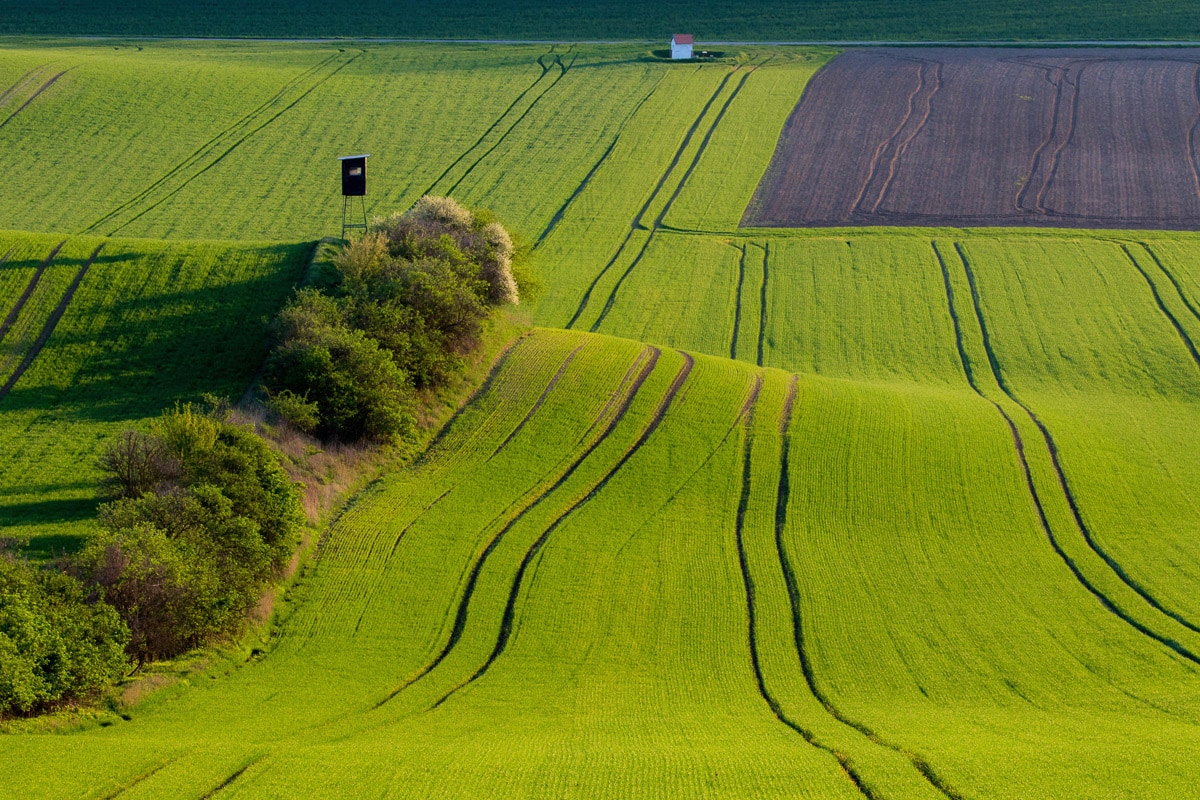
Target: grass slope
148,324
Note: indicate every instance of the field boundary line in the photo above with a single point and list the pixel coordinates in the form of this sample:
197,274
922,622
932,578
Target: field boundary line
53,80
534,498
51,323
508,620
1018,441
782,498
748,411
11,319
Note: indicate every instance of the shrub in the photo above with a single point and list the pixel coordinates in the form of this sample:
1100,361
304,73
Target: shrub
135,463
296,409
54,645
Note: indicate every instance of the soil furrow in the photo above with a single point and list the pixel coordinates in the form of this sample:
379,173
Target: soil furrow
11,319
563,68
762,304
751,614
1166,312
1058,83
53,80
506,623
236,144
782,496
48,329
587,179
460,617
873,165
637,220
1052,449
1039,201
495,123
903,146
737,309
538,404
199,152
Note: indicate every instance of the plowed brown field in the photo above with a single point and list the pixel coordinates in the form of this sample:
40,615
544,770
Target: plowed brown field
1096,138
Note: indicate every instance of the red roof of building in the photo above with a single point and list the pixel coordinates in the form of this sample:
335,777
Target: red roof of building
682,38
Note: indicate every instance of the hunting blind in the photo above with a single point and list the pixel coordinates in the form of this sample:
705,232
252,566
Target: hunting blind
354,184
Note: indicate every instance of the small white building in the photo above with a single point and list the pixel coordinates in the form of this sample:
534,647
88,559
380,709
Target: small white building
681,45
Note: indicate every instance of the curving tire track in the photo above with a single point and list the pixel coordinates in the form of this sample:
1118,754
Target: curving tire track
460,617
507,622
495,123
21,82
538,404
48,328
882,147
1039,505
902,147
782,496
657,224
1166,312
1174,281
637,220
13,314
737,311
748,586
762,303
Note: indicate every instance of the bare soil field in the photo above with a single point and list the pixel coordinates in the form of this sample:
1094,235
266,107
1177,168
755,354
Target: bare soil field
1086,138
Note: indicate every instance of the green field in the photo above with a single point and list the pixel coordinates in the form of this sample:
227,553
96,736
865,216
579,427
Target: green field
883,513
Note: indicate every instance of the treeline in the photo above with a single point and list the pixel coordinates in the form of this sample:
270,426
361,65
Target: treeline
203,514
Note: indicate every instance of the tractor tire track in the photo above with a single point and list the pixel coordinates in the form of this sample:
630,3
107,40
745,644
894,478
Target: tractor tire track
1039,201
1174,281
537,405
1191,135
558,215
506,623
737,311
21,83
236,144
1166,312
657,224
902,147
495,123
53,80
882,147
11,319
762,304
150,773
197,154
1039,505
48,329
1057,82
637,220
228,781
782,495
460,617
563,69
748,584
